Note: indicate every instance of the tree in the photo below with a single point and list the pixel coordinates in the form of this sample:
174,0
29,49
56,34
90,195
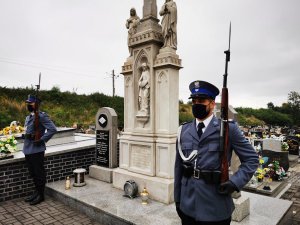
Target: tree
294,103
294,100
270,105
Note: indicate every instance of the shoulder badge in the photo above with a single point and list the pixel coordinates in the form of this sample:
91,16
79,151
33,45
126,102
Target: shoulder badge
185,123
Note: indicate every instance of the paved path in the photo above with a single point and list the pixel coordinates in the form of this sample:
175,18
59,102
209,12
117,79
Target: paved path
17,212
292,216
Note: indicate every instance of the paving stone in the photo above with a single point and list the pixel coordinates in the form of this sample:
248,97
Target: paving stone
17,212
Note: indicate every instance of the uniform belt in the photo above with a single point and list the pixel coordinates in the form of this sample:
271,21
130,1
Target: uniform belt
209,176
29,136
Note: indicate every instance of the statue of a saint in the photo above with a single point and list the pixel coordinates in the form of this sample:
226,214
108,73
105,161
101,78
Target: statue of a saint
131,25
144,90
169,23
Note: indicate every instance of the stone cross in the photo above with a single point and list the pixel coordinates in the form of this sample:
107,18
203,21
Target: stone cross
149,9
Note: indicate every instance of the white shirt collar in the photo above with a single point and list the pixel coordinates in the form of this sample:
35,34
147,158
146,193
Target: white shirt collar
206,122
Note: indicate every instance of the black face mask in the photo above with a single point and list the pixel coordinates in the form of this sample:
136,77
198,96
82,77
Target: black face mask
199,111
30,108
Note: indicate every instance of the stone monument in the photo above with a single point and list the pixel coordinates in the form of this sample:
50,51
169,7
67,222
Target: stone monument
106,145
151,86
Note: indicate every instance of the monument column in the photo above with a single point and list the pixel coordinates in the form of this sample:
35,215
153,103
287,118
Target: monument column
151,80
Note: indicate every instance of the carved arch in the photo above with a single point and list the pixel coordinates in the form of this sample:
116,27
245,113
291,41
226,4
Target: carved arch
162,77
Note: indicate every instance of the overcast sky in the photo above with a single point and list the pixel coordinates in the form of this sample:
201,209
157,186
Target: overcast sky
76,44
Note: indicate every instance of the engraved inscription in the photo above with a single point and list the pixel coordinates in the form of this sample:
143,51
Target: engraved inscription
102,148
141,157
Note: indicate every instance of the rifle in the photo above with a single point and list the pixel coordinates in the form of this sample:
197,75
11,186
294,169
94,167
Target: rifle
224,131
37,134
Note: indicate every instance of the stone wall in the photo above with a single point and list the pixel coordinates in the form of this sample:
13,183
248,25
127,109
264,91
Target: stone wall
15,181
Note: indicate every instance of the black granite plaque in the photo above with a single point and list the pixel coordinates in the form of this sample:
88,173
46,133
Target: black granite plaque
282,157
293,143
102,148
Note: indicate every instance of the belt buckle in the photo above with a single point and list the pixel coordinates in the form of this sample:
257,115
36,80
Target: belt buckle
196,173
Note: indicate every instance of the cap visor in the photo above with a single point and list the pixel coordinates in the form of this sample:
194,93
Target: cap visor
200,96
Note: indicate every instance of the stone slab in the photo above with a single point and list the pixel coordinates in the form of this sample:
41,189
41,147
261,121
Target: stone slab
101,173
107,205
82,141
276,187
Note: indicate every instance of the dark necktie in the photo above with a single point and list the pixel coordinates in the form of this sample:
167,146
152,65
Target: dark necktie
200,127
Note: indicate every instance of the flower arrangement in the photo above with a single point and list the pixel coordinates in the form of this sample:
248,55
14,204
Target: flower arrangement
284,146
13,129
8,144
260,173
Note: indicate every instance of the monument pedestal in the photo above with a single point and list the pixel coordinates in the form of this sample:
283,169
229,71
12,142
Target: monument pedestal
160,189
101,173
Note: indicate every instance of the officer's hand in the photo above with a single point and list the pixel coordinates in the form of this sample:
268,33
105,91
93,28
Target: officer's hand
38,142
227,188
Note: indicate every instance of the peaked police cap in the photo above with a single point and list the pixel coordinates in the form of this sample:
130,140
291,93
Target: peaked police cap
32,99
203,89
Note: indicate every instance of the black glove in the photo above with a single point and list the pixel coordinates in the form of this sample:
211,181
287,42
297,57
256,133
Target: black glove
38,142
227,188
188,169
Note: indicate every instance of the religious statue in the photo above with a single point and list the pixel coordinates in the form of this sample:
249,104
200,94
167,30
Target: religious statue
169,23
144,90
131,25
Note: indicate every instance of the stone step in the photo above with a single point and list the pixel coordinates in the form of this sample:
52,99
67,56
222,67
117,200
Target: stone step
105,204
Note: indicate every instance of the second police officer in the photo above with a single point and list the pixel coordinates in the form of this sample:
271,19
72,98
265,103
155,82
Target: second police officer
34,149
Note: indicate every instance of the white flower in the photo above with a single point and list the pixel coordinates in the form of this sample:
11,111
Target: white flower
3,139
15,142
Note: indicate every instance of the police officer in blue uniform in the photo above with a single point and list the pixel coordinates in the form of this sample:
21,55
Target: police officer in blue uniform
34,150
199,196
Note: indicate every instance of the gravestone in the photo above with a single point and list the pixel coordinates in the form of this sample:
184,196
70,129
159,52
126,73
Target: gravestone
257,145
106,144
272,150
257,134
232,114
282,157
293,143
272,144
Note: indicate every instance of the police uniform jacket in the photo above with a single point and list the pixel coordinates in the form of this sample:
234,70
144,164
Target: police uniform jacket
47,130
197,198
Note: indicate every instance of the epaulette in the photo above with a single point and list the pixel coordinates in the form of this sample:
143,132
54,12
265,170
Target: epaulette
186,122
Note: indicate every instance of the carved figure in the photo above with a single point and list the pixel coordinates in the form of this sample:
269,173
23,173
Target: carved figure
144,90
169,23
131,25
